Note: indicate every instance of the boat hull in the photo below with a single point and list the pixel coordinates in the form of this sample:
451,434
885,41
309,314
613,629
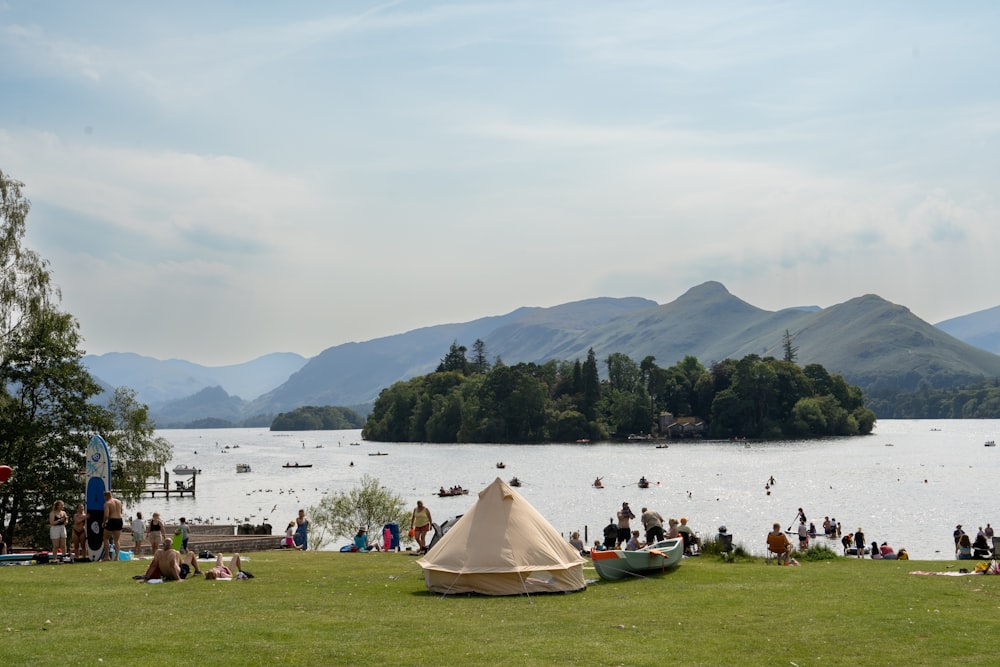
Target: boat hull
617,564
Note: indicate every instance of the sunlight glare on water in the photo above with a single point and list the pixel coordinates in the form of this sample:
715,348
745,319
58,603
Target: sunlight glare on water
909,484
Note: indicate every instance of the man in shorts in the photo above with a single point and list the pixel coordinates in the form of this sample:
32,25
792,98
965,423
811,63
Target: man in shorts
624,531
168,565
113,522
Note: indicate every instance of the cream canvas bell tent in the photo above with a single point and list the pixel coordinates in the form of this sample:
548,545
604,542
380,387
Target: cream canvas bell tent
502,546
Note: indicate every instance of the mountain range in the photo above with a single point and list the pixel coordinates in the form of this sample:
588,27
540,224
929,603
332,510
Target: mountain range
871,342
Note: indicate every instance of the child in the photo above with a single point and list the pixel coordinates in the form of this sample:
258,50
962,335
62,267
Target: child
289,539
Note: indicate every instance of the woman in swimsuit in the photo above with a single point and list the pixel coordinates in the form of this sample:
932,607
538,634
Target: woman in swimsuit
57,527
156,529
221,571
80,532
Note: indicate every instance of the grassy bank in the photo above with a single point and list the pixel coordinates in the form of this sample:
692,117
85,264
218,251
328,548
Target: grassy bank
332,608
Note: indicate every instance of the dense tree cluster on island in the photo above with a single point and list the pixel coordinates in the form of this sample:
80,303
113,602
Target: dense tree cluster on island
561,401
311,418
978,401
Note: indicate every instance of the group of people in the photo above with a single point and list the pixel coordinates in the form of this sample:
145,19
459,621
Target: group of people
60,523
968,549
154,532
619,534
297,533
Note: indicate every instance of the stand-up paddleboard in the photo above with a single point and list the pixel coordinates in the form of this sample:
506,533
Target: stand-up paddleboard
98,481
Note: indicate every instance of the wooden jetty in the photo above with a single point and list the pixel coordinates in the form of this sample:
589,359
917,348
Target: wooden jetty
180,489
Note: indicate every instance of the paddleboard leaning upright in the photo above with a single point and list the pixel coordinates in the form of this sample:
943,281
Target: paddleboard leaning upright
98,481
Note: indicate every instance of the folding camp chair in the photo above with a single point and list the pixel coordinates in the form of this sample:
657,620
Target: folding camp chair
992,565
773,555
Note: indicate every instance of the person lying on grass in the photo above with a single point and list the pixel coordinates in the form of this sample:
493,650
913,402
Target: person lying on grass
226,572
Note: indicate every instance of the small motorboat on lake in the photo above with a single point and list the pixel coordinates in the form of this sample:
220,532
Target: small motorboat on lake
453,491
186,470
514,481
643,483
501,464
297,465
990,443
616,564
378,453
243,467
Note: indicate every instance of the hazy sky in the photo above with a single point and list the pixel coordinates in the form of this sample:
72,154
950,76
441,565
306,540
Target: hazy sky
217,181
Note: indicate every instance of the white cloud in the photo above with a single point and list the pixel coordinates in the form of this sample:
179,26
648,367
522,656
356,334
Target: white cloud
262,179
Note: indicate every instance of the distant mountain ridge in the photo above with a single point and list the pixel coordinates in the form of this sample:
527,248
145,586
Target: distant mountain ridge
870,341
158,382
981,328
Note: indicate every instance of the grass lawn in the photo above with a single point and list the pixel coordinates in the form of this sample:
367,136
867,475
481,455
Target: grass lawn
321,608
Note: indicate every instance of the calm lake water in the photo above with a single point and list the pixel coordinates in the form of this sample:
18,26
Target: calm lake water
909,483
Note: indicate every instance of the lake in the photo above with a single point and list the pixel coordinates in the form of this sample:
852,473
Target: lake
909,483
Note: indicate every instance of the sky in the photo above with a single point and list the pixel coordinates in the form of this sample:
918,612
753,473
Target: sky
218,181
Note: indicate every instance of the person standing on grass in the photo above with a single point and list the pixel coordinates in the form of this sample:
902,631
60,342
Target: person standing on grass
138,533
302,530
859,543
113,523
420,522
185,531
80,532
156,533
57,527
653,523
610,534
624,531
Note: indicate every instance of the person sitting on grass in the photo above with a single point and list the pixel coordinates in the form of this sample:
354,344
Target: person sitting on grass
362,543
779,545
169,566
964,547
980,547
288,541
223,572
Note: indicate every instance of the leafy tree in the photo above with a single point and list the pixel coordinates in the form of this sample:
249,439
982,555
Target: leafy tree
455,360
340,514
46,410
623,373
479,364
791,351
136,451
590,387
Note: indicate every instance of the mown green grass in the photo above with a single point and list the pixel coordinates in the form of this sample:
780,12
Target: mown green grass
319,608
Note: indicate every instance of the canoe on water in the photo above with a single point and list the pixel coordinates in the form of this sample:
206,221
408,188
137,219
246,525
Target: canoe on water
618,564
